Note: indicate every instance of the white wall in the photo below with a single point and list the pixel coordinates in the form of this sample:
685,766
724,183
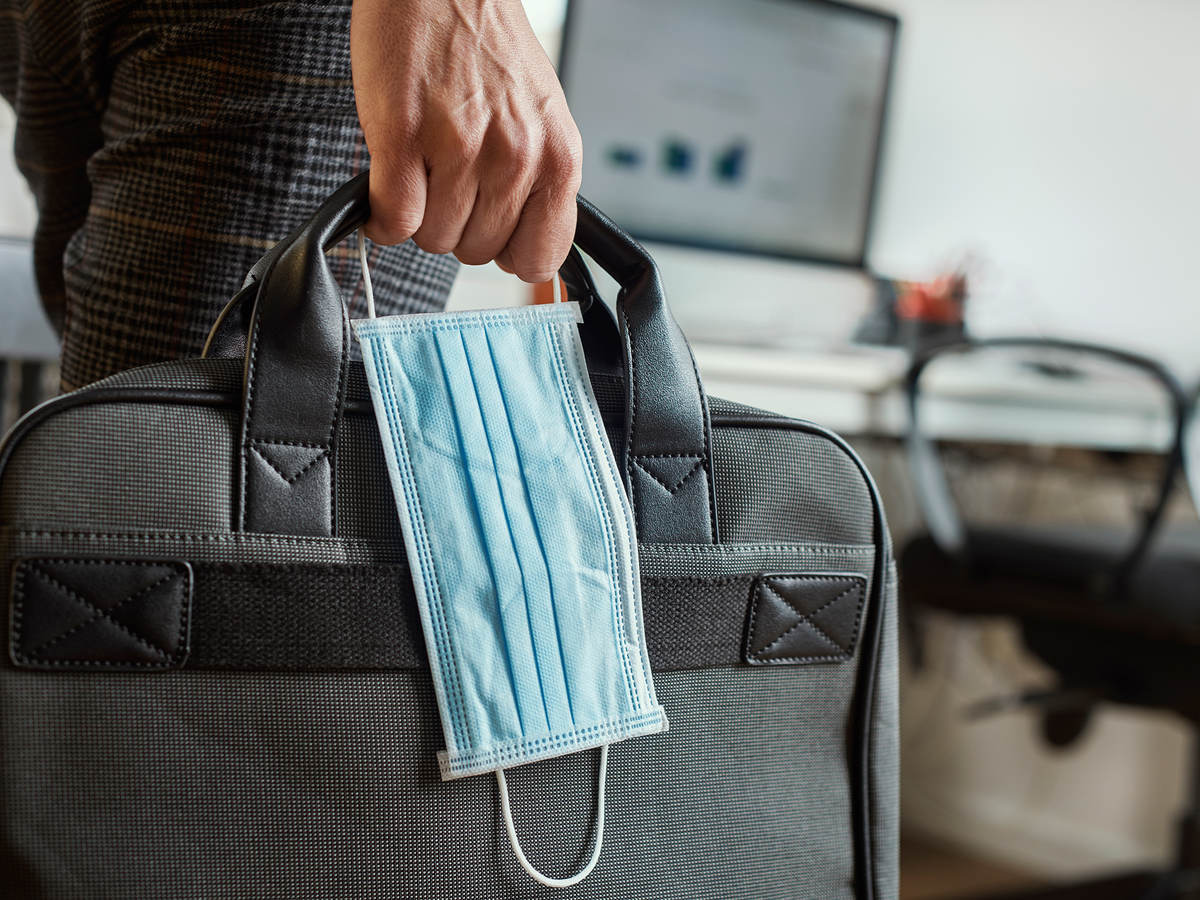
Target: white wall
1053,143
1060,141
17,213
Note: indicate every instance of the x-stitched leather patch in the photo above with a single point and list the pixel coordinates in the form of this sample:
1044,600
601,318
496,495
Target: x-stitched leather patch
811,618
96,613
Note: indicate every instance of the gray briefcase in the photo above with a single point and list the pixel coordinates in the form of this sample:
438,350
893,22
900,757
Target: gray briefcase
216,683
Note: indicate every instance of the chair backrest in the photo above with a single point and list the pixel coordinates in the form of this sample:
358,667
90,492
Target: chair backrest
1028,434
1191,447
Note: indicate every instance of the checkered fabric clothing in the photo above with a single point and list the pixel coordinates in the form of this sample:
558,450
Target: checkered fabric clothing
169,144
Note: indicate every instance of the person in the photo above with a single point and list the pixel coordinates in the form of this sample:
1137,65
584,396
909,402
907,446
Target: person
169,144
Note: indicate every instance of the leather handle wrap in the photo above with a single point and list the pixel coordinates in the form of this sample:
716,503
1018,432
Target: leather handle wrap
296,356
294,380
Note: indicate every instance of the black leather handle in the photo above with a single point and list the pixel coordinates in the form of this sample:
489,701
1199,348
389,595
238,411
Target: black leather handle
295,379
668,446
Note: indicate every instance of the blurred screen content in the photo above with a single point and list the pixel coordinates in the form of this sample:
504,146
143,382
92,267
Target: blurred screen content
743,124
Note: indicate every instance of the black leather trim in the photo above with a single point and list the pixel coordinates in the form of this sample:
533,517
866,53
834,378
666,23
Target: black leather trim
77,614
666,414
805,617
88,395
599,333
227,337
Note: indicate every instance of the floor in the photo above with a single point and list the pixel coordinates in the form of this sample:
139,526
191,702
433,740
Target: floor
932,872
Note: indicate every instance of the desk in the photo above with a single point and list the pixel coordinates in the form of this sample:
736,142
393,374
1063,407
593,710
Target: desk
858,391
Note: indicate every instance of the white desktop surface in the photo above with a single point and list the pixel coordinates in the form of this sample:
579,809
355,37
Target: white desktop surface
858,391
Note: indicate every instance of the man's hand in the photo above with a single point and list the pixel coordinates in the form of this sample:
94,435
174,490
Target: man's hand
473,150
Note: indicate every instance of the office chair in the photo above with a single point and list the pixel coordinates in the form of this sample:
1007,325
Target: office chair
1114,613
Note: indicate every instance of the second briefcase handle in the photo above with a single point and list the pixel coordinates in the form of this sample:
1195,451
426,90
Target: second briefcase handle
296,360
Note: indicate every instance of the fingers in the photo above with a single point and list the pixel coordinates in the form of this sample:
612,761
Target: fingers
543,237
397,191
502,197
503,190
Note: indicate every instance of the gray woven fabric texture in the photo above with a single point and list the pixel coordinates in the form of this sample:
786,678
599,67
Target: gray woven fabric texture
233,784
772,484
169,145
780,485
324,784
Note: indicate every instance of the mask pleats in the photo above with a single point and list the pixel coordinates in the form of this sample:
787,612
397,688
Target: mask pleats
493,540
518,530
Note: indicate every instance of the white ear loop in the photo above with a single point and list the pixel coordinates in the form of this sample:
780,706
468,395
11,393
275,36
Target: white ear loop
366,273
516,844
558,297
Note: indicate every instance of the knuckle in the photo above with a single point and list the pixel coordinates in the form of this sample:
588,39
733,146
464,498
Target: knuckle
564,158
474,255
459,144
563,169
519,145
436,246
436,242
534,270
394,226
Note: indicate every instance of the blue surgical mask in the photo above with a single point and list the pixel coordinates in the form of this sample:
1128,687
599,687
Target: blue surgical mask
519,535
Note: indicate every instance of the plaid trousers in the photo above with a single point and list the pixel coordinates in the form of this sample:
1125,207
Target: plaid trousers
169,143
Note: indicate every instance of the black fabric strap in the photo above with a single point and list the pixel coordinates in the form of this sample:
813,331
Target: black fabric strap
314,617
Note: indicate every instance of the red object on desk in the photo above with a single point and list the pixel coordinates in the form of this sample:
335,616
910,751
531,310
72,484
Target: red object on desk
940,300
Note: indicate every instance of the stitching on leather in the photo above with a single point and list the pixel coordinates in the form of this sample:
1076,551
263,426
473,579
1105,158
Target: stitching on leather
623,321
17,600
23,659
862,599
672,490
838,649
706,427
278,471
46,645
309,444
804,617
54,582
338,401
248,428
804,620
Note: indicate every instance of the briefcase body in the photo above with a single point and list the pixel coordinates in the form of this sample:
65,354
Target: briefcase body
216,683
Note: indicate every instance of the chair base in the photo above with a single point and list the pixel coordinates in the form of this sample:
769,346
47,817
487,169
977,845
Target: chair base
1178,885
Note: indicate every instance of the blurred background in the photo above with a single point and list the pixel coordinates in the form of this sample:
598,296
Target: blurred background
960,232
